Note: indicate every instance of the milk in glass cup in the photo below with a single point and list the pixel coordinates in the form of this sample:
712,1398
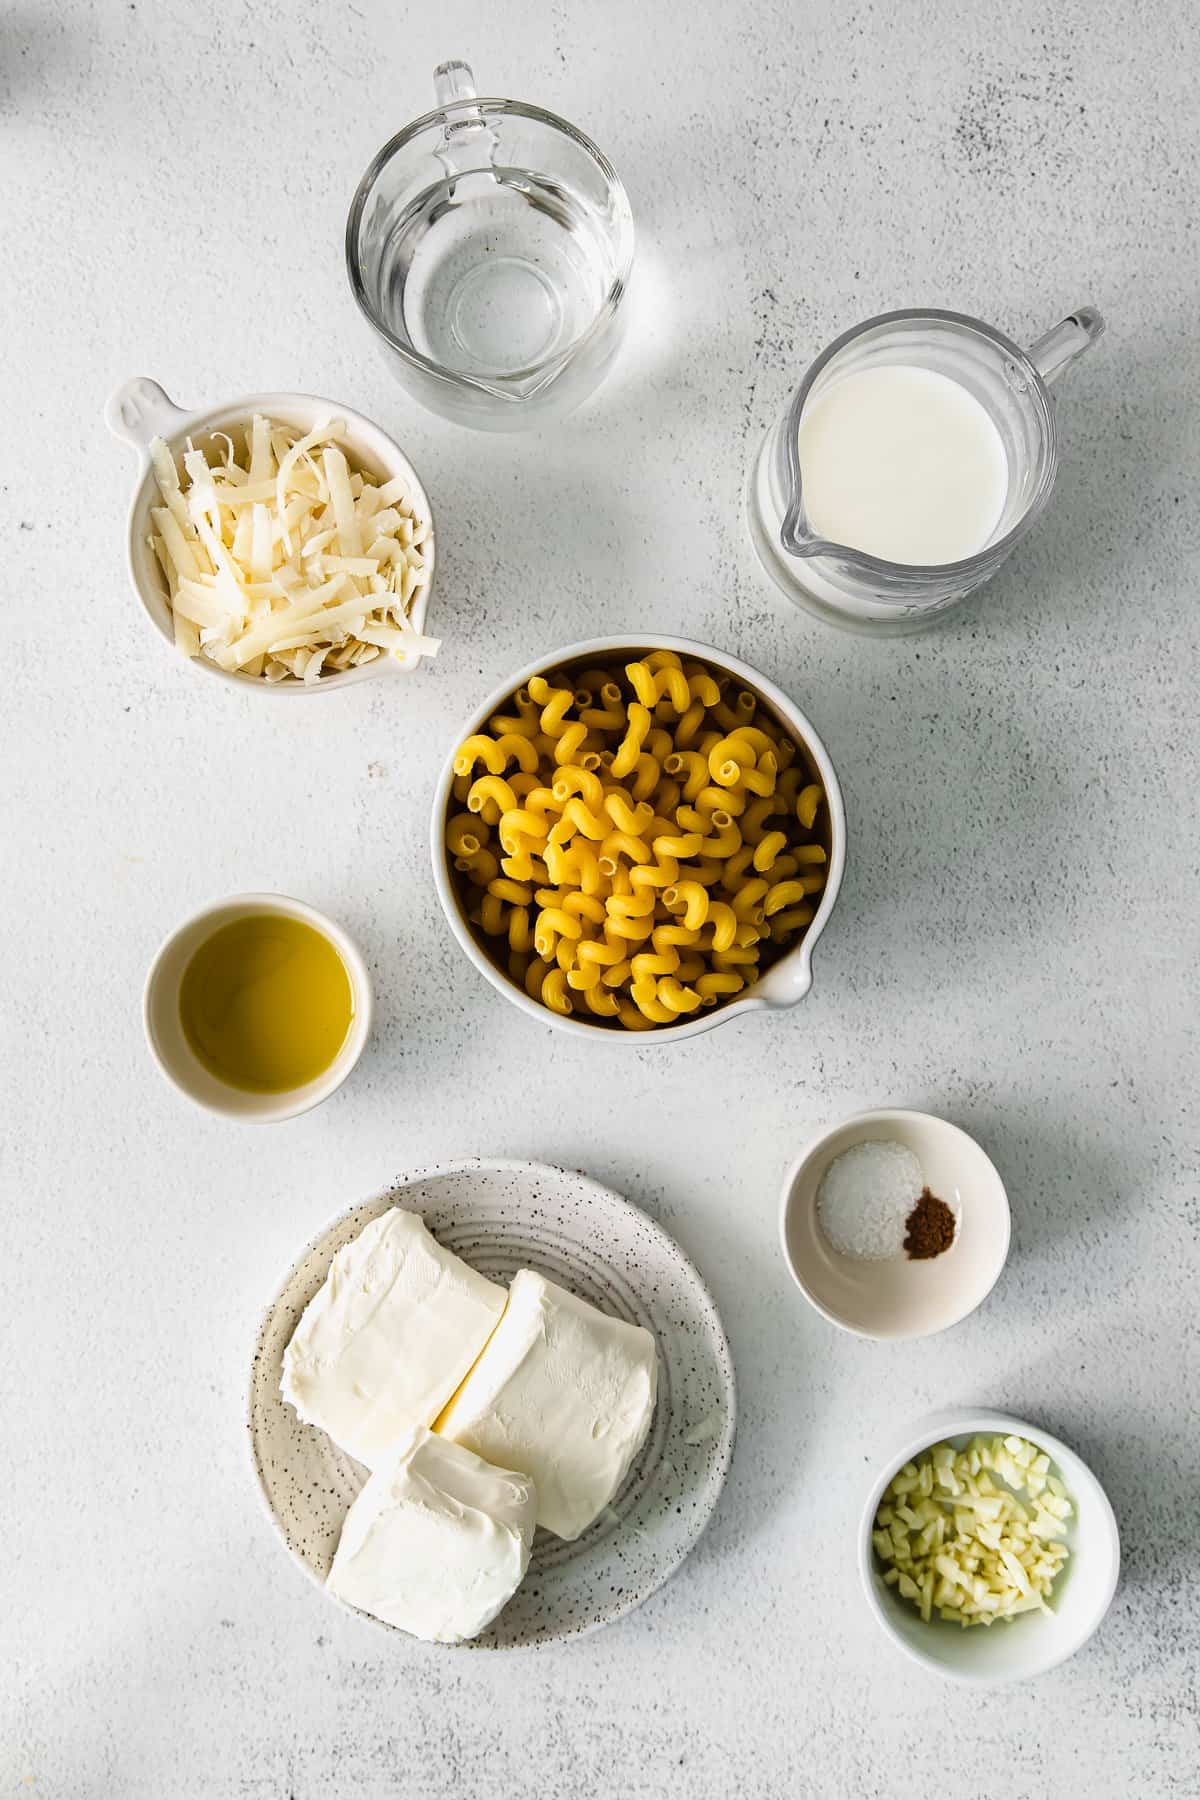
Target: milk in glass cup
916,453
489,246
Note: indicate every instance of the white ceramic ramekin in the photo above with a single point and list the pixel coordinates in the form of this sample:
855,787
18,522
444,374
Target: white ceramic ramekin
787,981
164,1027
893,1297
140,411
1031,1644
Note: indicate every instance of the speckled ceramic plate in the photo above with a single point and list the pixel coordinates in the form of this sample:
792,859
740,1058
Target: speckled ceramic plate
502,1216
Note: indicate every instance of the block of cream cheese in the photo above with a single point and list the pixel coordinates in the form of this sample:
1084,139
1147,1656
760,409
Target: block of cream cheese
438,1540
563,1393
387,1338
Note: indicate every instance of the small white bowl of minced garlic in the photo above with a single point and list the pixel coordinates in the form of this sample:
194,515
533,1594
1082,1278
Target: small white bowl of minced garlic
988,1549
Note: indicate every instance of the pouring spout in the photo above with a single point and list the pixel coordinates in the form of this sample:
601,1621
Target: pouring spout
794,533
1065,342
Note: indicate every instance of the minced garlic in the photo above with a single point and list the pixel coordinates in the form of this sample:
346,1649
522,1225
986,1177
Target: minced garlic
971,1548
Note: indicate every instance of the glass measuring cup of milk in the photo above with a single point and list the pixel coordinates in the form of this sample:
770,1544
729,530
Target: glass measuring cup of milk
489,245
917,451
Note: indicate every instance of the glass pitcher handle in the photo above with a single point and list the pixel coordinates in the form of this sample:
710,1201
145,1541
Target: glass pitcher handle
470,145
1059,347
453,81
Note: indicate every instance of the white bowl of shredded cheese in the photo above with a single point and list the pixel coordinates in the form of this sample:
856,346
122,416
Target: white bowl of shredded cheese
1051,1618
280,541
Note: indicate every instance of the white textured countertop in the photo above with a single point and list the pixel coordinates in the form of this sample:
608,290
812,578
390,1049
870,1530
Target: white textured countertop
1012,945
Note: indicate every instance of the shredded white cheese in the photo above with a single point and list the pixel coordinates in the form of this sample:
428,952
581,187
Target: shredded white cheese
282,560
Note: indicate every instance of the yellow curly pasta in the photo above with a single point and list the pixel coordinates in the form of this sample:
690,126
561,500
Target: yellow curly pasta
623,843
571,779
516,746
645,998
637,730
630,906
501,723
750,898
807,802
576,817
768,849
728,757
627,929
491,914
492,787
518,823
702,686
710,987
571,743
462,835
667,682
578,863
762,777
693,897
624,815
675,997
517,893
480,749
554,992
635,844
725,838
483,867
784,893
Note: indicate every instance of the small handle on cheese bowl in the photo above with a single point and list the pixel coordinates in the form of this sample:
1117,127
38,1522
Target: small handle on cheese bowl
141,410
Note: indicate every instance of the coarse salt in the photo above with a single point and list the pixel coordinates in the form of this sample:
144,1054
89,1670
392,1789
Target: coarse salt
865,1197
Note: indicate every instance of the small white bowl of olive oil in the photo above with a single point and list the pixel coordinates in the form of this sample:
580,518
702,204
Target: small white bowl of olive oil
257,1007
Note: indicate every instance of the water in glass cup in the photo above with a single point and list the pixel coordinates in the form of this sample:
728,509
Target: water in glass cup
492,272
489,245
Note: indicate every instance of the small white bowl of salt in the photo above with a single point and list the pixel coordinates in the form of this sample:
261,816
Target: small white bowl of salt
894,1224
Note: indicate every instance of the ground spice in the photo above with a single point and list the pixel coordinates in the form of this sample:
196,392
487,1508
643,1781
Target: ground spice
929,1227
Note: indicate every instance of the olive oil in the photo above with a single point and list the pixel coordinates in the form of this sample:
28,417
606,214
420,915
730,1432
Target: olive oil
266,1003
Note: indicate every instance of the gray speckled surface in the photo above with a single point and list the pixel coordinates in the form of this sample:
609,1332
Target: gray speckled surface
1012,944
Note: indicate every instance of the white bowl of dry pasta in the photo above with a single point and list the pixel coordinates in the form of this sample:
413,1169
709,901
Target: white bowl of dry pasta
639,836
279,541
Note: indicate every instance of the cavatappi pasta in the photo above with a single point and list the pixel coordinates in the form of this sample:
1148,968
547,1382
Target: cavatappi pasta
635,843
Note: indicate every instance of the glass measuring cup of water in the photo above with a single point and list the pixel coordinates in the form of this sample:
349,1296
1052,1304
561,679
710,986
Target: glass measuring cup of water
863,592
489,245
